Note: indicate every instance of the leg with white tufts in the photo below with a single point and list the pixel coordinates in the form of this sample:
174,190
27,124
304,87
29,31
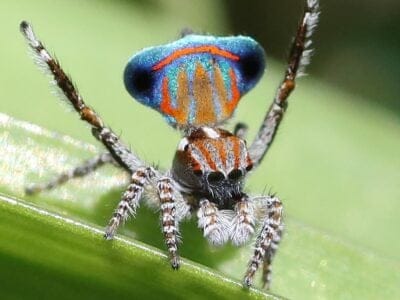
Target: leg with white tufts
267,241
129,200
214,223
168,217
242,225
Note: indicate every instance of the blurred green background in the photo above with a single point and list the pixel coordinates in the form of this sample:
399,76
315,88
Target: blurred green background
335,163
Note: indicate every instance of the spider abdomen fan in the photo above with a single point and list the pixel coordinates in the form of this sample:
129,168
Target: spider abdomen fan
197,80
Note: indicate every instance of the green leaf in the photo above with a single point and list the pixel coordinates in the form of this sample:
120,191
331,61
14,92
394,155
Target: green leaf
48,251
51,244
56,257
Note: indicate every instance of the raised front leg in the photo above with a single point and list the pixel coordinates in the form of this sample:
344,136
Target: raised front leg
69,93
270,209
299,58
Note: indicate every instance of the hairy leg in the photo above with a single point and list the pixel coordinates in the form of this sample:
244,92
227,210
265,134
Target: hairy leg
69,93
242,226
299,58
119,152
267,240
129,200
213,222
169,220
84,169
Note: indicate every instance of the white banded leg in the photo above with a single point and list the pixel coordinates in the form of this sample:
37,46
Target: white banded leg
169,221
214,223
129,201
84,169
242,226
266,242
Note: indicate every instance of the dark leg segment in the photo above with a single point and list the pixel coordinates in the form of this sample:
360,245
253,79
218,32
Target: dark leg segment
168,219
86,168
299,57
119,151
129,201
266,242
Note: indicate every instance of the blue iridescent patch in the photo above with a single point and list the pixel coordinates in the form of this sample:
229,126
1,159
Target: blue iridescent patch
197,80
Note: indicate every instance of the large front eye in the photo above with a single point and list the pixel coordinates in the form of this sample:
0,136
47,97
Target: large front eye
198,173
215,177
235,174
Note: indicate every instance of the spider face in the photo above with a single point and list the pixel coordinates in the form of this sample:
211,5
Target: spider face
212,163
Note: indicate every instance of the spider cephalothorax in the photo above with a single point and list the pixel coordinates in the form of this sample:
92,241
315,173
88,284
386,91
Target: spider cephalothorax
212,163
196,83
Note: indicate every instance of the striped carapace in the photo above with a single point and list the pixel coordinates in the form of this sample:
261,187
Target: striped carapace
212,163
195,83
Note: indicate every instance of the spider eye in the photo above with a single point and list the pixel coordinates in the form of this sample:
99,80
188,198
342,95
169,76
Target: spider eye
215,177
139,81
251,66
235,174
249,167
198,173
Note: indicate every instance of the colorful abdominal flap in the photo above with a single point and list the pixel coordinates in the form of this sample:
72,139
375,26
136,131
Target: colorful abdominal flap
196,80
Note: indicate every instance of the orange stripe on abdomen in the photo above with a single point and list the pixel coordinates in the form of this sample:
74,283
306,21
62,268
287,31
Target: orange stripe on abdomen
193,50
203,95
228,106
180,113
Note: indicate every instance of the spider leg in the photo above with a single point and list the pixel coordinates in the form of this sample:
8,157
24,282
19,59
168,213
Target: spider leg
242,225
169,220
84,169
267,240
298,59
266,271
213,222
68,91
241,130
129,200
